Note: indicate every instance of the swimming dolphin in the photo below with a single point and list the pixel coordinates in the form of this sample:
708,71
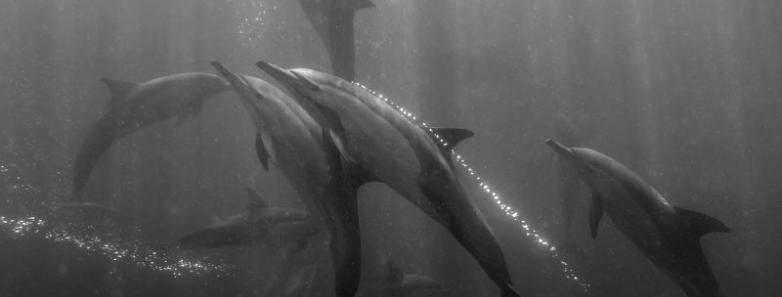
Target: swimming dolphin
333,20
669,236
412,159
260,225
134,106
396,283
290,138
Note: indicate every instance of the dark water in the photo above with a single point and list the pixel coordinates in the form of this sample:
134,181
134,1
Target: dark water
686,93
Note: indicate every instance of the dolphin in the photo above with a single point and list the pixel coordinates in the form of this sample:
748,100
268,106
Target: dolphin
396,283
412,159
669,236
134,106
333,21
290,138
260,225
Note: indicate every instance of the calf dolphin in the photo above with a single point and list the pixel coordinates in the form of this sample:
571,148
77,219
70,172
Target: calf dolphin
412,159
669,236
290,138
259,225
134,106
333,20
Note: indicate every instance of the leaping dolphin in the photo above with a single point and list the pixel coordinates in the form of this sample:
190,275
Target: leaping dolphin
290,138
669,236
260,225
412,159
134,106
333,20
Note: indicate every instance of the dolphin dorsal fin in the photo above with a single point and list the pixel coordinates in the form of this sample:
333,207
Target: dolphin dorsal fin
451,136
255,201
361,4
119,89
699,223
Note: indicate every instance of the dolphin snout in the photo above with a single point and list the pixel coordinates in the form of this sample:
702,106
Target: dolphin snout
558,147
289,78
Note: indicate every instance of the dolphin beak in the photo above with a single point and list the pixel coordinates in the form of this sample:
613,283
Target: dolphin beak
232,78
560,148
289,78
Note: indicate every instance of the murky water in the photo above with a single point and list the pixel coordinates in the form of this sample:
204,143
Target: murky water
684,93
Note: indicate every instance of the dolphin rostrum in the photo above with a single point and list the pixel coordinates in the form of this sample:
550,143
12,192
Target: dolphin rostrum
260,225
333,21
290,138
412,159
669,236
134,106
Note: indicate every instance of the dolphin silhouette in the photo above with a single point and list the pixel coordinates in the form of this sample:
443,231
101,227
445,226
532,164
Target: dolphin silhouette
260,225
669,236
290,138
412,159
134,106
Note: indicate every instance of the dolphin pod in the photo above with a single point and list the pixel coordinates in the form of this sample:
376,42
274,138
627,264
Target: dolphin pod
134,106
669,236
371,133
290,138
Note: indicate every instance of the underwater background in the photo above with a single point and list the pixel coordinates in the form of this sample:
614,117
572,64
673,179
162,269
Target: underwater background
686,93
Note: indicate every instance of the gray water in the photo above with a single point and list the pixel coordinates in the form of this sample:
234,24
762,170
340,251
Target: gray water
684,92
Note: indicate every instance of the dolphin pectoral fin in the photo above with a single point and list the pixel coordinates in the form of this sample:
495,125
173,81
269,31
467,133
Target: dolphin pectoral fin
340,145
260,150
698,223
361,4
450,136
595,214
119,89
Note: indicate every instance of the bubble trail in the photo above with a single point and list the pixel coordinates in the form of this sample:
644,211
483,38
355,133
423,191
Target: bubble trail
567,269
115,252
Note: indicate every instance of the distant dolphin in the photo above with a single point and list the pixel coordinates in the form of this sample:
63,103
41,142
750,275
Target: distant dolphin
290,138
134,106
669,236
411,159
395,283
333,20
260,225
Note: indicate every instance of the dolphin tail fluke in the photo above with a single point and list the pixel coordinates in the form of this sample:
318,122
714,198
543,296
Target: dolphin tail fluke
345,249
119,89
699,223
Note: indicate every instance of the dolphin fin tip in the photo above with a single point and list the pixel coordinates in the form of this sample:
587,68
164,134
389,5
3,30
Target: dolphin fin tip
700,223
119,89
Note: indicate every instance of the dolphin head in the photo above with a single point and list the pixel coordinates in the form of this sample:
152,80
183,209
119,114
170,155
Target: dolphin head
262,100
292,79
591,165
211,84
583,160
